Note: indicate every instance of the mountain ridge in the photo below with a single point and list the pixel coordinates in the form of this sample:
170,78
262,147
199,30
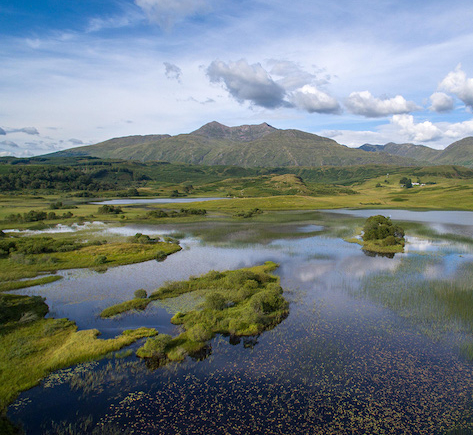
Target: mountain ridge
263,145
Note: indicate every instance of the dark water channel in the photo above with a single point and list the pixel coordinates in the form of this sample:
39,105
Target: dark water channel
364,349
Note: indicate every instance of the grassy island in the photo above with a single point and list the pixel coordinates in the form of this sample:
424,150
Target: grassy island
240,302
382,236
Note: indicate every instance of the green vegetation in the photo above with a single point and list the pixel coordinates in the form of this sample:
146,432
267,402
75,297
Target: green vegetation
28,256
133,304
16,285
381,235
33,346
156,214
241,302
36,216
249,213
109,209
406,182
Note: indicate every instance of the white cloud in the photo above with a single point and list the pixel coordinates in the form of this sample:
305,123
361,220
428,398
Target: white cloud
441,102
421,132
458,84
313,100
460,130
247,82
168,12
364,103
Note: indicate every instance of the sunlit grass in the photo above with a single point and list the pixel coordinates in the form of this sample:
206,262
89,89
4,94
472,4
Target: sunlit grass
33,346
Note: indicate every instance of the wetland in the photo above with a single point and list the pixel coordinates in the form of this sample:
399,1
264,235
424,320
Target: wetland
370,344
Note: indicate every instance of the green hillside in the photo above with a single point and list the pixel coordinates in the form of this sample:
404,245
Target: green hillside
247,146
458,153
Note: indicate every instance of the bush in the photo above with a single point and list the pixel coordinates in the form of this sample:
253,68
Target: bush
199,333
140,294
266,301
215,301
109,209
161,256
154,346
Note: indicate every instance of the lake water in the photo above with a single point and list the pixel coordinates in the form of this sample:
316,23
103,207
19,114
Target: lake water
371,344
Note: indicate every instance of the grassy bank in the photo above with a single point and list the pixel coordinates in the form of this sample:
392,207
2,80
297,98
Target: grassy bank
33,346
25,265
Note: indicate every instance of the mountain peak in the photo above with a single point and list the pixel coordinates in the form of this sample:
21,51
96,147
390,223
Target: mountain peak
242,133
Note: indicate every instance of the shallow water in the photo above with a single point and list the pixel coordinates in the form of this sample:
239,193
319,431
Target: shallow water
346,360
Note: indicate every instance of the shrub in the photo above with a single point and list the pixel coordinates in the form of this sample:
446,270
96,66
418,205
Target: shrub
140,294
154,346
215,301
266,301
199,333
109,209
161,256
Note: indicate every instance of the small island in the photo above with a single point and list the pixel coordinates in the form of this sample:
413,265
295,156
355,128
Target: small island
380,235
238,303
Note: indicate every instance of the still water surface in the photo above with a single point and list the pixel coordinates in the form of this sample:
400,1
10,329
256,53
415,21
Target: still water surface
350,358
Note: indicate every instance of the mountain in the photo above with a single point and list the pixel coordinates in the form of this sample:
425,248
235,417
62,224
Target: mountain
247,145
417,152
458,153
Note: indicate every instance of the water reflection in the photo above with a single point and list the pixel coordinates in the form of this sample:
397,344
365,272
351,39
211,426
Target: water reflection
340,363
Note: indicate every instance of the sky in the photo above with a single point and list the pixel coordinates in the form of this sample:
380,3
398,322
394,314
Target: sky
79,72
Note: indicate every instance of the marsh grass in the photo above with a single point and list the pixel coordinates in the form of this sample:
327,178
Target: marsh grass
110,254
33,346
138,304
15,285
437,306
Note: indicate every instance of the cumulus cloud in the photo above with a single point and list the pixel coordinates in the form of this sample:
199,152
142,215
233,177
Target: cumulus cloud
247,82
2,132
460,130
421,132
365,104
441,102
312,100
173,72
168,12
458,84
293,86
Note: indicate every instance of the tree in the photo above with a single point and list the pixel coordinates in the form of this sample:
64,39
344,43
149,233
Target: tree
381,228
406,182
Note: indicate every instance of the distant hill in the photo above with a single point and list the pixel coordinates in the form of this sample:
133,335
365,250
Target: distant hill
458,153
409,150
247,145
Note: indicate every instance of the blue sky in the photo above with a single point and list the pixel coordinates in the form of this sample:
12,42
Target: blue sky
368,71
